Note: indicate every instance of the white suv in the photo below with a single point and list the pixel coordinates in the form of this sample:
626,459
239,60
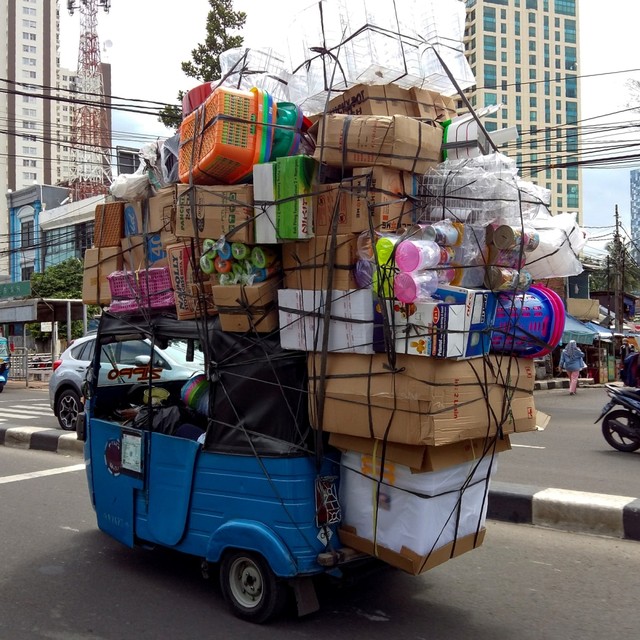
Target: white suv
121,361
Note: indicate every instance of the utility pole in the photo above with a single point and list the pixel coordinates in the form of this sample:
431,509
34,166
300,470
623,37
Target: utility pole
618,275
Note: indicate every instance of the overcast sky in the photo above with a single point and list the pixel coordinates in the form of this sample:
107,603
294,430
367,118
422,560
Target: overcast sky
149,38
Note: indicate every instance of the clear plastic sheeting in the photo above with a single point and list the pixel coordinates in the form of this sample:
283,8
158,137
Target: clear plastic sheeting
244,68
561,240
335,44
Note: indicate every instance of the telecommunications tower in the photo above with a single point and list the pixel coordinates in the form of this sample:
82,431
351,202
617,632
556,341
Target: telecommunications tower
91,157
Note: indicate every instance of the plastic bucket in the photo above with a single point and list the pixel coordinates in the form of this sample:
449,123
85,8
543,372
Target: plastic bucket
525,322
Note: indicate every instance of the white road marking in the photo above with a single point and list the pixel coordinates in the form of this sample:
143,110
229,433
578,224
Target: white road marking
41,474
527,446
31,407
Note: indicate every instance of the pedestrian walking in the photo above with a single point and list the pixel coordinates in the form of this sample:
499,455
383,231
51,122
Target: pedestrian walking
572,361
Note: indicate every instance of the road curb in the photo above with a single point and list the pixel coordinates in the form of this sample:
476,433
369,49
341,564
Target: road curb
42,439
577,511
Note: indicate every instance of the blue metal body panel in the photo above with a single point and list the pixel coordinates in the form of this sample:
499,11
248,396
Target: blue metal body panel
202,503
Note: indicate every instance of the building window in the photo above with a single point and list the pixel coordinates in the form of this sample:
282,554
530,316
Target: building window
570,59
565,7
29,151
490,47
28,36
490,99
532,74
533,102
532,18
572,112
29,163
29,175
28,124
26,273
571,87
532,32
490,78
27,237
570,31
29,24
532,4
28,11
31,113
489,19
572,196
532,59
532,45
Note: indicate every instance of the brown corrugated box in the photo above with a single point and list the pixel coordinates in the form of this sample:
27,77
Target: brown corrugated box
425,401
182,273
108,224
218,211
398,142
384,191
430,105
408,560
248,308
422,458
305,264
99,262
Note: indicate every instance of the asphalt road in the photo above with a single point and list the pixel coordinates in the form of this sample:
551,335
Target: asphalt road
62,579
571,452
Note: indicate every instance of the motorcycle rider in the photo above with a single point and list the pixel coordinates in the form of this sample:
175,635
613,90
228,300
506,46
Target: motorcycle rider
572,361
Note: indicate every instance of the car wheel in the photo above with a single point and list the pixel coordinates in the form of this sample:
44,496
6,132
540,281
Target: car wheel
68,408
250,588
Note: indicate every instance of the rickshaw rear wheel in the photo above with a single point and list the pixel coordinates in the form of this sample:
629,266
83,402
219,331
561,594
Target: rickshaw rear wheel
250,588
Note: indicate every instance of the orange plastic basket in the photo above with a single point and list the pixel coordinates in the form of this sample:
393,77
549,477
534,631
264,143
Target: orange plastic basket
218,140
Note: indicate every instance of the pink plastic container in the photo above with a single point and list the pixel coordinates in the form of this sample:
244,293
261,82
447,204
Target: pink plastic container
416,255
415,287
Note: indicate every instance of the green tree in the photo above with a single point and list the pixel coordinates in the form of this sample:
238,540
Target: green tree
222,20
621,260
62,281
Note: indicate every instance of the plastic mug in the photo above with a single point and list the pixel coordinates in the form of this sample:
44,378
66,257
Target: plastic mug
415,287
416,255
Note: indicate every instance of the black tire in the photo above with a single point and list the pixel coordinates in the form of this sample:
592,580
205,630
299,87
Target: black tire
617,441
1,388
250,588
68,408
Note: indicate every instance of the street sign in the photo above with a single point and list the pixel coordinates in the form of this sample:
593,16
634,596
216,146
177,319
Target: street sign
15,289
46,327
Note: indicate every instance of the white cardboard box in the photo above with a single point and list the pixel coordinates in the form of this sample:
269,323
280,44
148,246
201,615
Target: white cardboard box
301,320
418,511
434,329
264,197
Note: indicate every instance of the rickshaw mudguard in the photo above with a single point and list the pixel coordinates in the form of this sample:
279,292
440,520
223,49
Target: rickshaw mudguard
171,467
249,535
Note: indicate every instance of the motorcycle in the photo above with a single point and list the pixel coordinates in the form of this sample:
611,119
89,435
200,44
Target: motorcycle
621,427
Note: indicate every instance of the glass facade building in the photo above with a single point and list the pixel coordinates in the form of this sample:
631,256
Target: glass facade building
524,55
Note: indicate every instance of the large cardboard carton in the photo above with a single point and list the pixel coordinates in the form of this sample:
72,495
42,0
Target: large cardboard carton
99,262
306,264
333,200
302,320
379,192
432,329
182,257
423,401
162,210
143,251
295,183
108,224
247,308
211,212
421,458
418,512
430,105
406,559
378,100
398,142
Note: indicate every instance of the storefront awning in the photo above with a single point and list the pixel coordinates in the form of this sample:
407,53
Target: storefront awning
578,331
603,333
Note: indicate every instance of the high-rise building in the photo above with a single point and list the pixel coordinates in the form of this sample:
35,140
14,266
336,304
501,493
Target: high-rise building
635,213
36,105
524,55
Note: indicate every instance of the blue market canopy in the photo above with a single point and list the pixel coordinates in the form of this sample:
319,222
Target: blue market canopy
603,332
576,330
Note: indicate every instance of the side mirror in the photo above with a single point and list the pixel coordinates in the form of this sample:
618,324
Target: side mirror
81,427
142,361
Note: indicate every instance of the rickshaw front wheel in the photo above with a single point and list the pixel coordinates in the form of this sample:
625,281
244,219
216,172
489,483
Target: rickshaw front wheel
251,589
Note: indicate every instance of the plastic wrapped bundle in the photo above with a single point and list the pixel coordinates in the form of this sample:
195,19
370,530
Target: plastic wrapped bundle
244,68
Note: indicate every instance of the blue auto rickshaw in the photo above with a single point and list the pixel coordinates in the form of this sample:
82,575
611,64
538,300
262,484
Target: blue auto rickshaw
5,362
255,491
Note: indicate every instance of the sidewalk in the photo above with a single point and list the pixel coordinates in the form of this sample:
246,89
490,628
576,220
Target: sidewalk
591,513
